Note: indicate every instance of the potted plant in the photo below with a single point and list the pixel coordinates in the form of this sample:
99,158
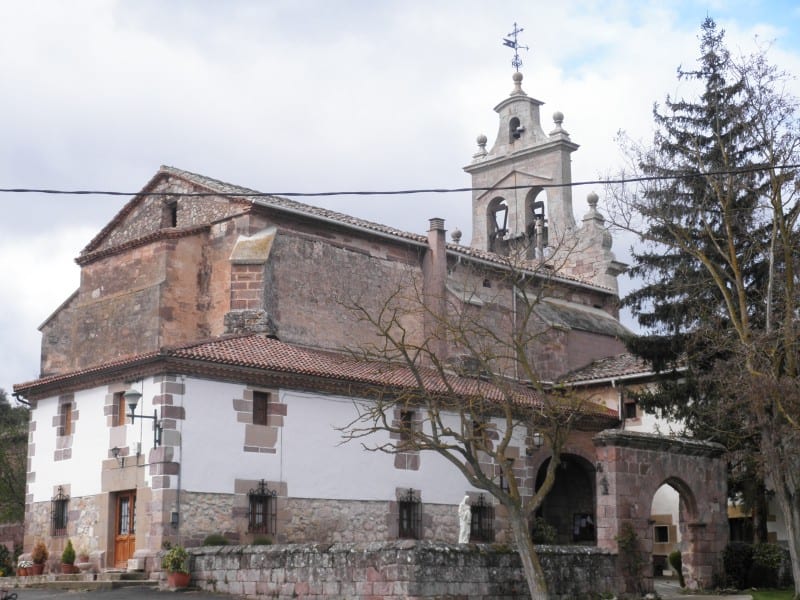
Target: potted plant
176,563
68,559
39,555
23,567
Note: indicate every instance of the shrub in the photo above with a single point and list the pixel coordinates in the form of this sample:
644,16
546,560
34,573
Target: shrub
6,564
677,565
262,540
39,554
68,555
766,566
215,539
542,532
737,559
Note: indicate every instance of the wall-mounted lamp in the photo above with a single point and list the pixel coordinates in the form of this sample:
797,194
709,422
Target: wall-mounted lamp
132,400
115,454
538,441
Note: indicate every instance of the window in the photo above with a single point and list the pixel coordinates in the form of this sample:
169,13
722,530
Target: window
262,509
410,516
630,410
66,418
406,424
260,408
120,415
661,534
59,506
482,523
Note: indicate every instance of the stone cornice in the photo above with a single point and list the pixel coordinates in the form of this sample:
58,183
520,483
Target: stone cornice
659,443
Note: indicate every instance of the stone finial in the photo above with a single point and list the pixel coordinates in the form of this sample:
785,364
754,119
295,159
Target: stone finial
456,236
481,139
558,119
517,91
592,200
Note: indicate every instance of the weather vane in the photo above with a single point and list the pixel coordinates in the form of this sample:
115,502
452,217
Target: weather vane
513,43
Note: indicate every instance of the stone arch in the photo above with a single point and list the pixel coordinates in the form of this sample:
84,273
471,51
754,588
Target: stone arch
634,466
536,221
571,505
497,222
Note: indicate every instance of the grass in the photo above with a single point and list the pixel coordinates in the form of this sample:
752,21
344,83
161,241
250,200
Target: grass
772,595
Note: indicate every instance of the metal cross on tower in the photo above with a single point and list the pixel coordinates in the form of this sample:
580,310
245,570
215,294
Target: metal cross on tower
516,62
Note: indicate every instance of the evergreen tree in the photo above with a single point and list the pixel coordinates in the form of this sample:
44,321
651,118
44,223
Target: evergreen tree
710,192
13,452
718,213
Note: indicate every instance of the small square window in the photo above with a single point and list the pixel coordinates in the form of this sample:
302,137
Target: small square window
661,534
260,408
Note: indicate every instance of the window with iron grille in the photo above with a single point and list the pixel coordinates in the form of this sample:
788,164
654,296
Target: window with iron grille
482,523
59,507
260,408
409,516
262,509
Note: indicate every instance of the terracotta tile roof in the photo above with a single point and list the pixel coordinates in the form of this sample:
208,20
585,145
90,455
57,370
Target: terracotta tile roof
273,201
270,355
621,365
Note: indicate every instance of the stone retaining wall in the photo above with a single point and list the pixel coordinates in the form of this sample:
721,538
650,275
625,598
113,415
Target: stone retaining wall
407,570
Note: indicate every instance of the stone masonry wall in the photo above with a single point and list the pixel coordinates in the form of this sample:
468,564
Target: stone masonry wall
320,521
404,570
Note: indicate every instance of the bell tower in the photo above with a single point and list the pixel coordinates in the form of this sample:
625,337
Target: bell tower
513,213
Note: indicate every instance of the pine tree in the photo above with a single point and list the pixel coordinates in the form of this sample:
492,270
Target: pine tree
720,220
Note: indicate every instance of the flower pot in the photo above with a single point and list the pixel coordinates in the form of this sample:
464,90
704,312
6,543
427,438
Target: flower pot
178,580
36,569
68,569
22,571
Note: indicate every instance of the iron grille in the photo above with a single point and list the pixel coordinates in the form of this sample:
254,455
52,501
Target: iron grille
59,510
262,509
482,521
410,516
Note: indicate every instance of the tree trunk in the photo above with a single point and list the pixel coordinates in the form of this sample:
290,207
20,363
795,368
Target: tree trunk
527,553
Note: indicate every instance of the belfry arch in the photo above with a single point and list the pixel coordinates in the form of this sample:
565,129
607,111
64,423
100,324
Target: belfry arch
632,466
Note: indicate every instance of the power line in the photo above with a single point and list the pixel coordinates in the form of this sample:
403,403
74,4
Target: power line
254,194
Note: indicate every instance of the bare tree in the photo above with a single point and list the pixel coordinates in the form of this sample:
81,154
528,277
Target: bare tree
472,384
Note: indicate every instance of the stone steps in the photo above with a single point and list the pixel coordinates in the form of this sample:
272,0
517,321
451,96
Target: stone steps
107,580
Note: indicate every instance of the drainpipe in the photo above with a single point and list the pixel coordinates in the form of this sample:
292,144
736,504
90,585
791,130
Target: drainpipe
434,278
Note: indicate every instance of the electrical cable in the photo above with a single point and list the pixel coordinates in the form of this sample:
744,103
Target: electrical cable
254,194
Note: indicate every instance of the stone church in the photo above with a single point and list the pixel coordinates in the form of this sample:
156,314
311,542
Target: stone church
218,317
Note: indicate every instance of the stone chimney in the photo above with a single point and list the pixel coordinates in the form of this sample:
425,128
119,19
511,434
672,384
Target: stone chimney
434,273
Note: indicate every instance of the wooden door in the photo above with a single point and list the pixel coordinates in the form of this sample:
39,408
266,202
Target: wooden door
125,528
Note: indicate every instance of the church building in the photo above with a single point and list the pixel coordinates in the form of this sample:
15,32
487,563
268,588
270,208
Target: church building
198,379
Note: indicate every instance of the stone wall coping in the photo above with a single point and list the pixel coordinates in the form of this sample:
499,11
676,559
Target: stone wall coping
657,442
390,545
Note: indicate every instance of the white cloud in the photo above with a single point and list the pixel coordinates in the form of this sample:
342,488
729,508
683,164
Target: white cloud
302,96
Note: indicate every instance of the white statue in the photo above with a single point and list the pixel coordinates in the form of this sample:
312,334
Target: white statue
464,518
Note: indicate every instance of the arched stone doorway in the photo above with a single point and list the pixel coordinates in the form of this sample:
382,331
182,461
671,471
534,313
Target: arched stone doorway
570,507
635,465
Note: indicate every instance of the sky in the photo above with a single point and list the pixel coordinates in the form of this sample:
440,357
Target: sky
311,96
